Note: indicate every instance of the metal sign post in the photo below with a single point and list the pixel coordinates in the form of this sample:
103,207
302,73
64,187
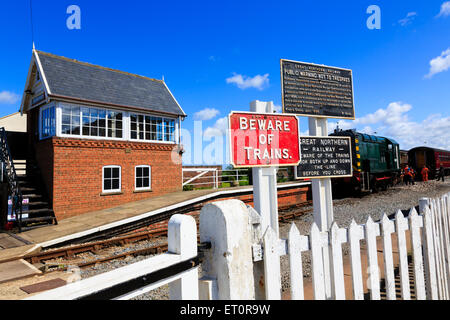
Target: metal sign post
265,201
318,92
265,197
322,202
263,140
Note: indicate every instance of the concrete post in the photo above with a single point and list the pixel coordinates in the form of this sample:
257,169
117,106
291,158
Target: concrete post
228,265
182,240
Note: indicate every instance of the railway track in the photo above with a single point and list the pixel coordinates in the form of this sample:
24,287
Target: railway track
69,253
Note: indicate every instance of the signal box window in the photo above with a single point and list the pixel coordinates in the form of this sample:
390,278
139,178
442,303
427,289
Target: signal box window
111,179
143,178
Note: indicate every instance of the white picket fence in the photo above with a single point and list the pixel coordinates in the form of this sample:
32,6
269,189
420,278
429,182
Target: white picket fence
430,246
241,253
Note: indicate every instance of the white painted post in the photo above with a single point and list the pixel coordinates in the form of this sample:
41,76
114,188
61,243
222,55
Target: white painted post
317,263
322,202
338,236
442,245
182,240
415,223
272,271
265,197
387,228
265,200
430,263
401,225
355,234
437,249
446,240
372,230
296,245
227,225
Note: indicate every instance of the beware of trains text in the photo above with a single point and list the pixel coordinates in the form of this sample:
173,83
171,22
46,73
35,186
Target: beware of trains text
259,139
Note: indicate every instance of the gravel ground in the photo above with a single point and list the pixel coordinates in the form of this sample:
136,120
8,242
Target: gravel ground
399,197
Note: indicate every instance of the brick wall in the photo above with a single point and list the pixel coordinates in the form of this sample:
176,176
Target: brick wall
78,163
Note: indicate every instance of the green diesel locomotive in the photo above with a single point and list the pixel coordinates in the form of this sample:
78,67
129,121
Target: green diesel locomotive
376,162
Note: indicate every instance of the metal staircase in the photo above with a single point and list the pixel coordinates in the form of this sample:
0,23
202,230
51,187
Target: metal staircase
29,186
9,172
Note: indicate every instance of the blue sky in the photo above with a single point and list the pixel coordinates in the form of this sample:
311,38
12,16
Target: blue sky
198,45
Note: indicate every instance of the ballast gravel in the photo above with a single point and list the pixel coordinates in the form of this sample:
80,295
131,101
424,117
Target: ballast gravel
399,197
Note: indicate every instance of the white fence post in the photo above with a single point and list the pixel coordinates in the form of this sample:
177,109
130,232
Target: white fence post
182,240
355,234
428,246
338,236
296,245
401,225
272,271
317,265
227,226
372,230
415,223
387,228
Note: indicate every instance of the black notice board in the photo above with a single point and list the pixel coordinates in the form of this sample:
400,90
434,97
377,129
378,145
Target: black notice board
316,91
325,157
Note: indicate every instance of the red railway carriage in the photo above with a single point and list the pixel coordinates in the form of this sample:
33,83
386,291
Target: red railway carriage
434,159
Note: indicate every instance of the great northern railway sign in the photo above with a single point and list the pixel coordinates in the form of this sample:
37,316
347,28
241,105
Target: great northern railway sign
325,157
263,139
316,90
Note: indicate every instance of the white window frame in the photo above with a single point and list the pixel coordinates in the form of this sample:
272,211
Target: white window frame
41,110
103,179
81,136
126,125
163,128
149,177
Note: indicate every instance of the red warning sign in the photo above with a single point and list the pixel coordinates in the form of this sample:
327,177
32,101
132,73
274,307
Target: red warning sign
263,139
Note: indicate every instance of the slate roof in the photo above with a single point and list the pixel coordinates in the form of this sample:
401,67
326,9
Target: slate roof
80,80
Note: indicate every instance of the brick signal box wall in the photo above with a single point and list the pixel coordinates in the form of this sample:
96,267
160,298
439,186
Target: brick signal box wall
77,182
73,172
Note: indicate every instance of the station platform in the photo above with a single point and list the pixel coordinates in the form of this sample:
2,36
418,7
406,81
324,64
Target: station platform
93,222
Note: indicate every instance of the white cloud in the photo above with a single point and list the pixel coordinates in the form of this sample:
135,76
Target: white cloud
206,114
394,122
439,64
244,82
277,108
408,19
8,97
445,9
219,128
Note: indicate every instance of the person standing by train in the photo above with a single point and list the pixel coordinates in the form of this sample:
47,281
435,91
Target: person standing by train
407,177
424,173
440,173
413,176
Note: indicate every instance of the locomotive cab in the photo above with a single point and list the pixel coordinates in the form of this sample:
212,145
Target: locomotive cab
376,161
